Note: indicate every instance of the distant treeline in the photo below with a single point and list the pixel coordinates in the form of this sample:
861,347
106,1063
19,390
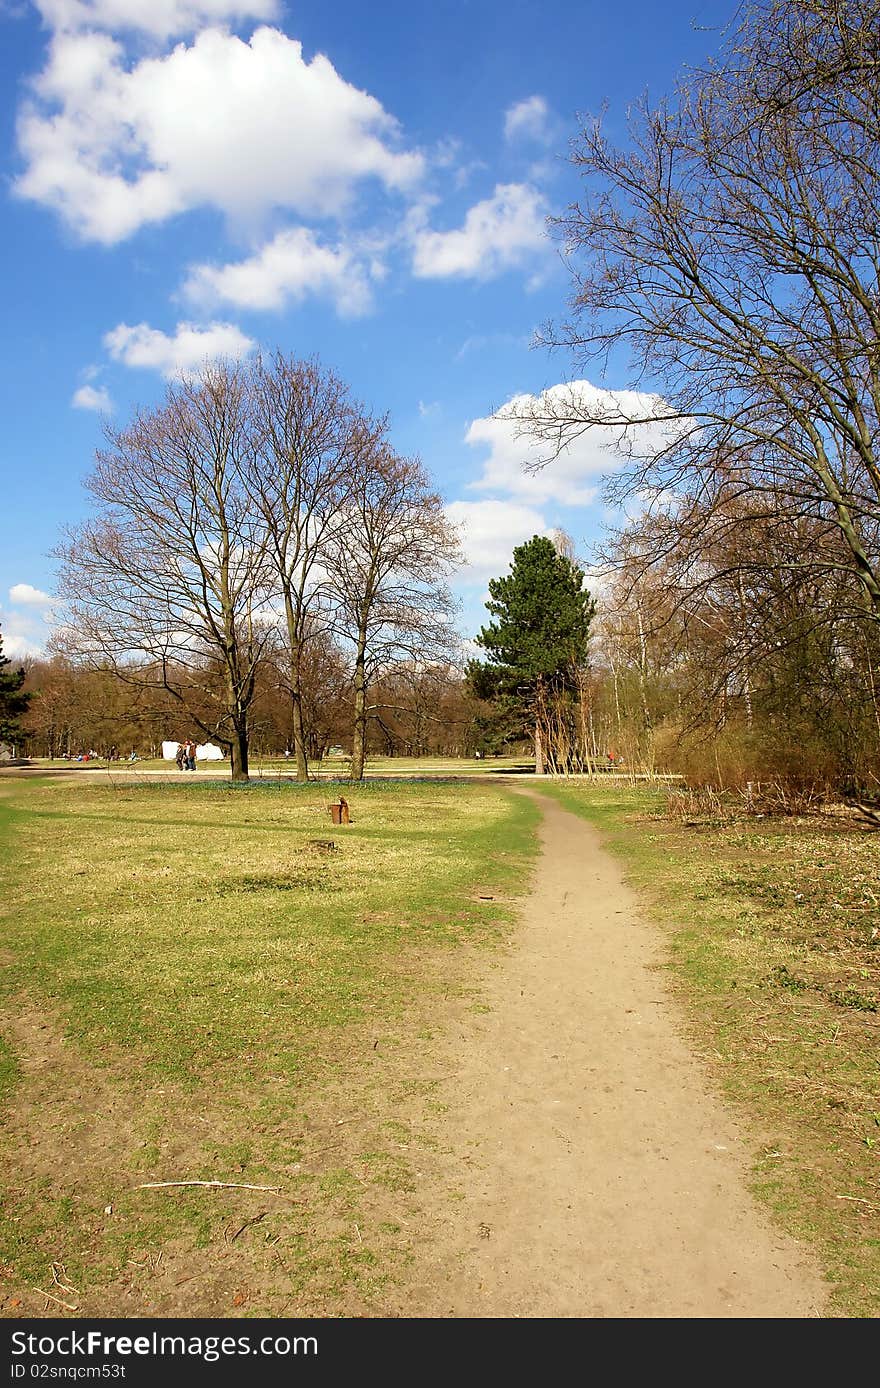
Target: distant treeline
426,712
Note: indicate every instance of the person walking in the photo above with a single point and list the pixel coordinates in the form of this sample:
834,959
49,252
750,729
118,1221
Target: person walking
190,755
180,757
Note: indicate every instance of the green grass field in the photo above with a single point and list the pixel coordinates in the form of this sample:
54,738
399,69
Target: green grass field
774,935
195,987
335,766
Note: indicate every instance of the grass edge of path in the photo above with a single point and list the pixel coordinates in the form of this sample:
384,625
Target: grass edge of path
816,1174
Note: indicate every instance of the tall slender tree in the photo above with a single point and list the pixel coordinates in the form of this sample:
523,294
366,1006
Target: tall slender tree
389,559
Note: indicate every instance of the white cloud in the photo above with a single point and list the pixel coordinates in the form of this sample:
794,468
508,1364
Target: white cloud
489,531
25,626
25,595
501,233
528,119
92,398
243,127
23,635
160,18
187,351
290,267
572,478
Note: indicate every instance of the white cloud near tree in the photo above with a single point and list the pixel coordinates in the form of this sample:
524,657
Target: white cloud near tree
489,532
159,18
572,478
244,127
92,398
25,595
24,624
290,267
528,119
503,232
24,634
185,351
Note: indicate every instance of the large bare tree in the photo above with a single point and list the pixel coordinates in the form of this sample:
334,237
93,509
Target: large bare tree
310,437
733,247
168,584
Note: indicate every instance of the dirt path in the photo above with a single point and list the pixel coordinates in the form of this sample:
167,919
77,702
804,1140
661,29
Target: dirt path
597,1173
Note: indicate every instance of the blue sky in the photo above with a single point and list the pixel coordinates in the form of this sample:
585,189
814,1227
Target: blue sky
365,182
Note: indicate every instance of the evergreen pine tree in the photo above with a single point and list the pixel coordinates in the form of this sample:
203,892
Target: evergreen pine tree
538,639
13,702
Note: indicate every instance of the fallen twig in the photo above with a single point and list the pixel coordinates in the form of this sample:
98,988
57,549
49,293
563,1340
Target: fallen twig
230,1238
212,1185
856,1200
57,1299
65,1286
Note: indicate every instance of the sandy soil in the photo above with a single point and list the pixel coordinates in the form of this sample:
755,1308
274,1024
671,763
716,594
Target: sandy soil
598,1173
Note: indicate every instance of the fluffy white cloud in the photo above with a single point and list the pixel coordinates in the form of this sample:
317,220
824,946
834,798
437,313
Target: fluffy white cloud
23,635
25,595
243,127
290,267
160,18
527,119
572,477
500,233
25,625
92,398
187,351
489,531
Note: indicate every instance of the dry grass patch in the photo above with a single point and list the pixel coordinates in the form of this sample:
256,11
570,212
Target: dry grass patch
193,990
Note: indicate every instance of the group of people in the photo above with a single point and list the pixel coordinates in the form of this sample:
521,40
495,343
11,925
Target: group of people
92,755
186,756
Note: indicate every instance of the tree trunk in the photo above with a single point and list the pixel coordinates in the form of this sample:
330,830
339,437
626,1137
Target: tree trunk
643,673
295,649
539,730
873,689
239,754
359,740
299,737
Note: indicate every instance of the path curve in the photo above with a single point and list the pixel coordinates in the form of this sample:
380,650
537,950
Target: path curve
599,1174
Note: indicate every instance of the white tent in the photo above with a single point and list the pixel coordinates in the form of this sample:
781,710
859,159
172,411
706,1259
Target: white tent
207,751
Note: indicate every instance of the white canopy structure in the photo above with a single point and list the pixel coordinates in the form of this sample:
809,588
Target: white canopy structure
206,751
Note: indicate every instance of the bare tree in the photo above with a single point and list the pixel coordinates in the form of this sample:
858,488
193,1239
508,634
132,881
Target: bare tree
388,560
310,437
168,585
734,248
